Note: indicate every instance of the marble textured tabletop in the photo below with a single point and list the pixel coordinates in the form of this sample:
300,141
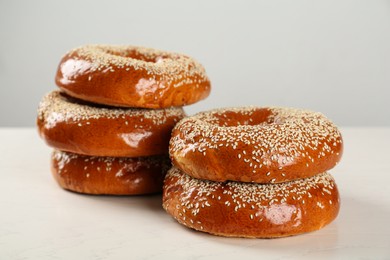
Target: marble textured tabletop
39,220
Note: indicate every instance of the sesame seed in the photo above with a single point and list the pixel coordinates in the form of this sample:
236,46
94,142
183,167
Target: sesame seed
55,108
164,68
286,135
241,195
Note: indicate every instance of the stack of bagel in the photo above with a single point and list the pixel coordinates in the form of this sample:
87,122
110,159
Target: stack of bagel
111,121
253,172
238,172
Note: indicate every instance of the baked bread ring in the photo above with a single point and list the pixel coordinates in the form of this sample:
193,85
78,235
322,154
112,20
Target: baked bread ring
237,209
71,125
253,144
132,76
109,175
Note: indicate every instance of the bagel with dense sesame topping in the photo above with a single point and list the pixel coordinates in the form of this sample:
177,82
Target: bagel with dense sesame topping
72,125
132,76
109,175
252,210
254,144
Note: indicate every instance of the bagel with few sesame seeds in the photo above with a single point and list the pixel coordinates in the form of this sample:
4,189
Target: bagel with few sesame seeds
109,175
72,125
130,76
251,210
255,144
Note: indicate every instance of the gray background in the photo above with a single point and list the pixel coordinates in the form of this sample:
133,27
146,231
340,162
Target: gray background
329,56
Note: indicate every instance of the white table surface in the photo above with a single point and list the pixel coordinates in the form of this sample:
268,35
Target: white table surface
38,220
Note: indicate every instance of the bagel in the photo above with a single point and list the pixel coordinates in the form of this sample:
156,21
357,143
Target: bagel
72,125
131,76
109,175
254,144
252,210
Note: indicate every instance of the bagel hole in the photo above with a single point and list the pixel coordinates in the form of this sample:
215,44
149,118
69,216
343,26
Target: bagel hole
133,54
237,118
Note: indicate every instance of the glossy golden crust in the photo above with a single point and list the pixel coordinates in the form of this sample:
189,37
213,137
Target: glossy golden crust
236,209
253,144
132,76
109,175
70,125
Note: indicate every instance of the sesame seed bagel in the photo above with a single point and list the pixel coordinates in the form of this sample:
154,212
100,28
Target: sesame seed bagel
72,125
132,76
254,144
237,209
109,175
